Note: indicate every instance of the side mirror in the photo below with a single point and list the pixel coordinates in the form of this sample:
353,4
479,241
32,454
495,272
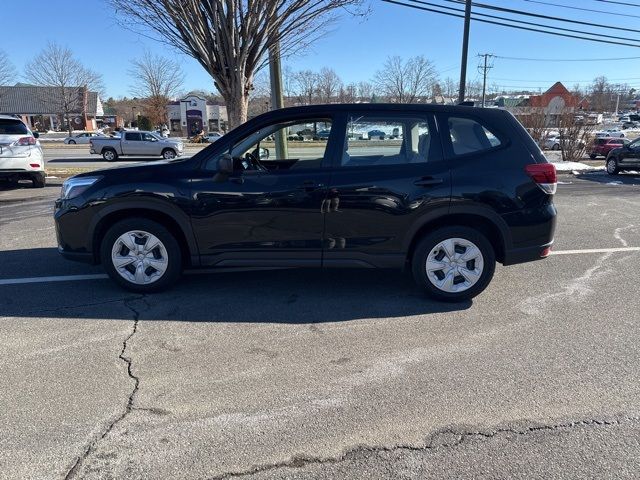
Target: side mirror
225,164
264,153
36,135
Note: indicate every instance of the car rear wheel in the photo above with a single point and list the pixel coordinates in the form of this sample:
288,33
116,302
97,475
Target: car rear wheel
141,255
168,154
592,156
555,146
453,264
612,166
38,181
109,155
72,142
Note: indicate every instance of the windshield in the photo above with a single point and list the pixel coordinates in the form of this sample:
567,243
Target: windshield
12,127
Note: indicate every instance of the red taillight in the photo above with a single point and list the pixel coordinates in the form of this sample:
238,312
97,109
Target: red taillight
34,165
24,141
545,176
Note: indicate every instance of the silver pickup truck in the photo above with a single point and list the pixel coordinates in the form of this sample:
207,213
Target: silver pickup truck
137,144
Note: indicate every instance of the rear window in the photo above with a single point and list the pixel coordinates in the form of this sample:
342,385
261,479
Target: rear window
469,136
12,127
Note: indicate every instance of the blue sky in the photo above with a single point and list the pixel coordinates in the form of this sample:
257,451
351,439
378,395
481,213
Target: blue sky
354,48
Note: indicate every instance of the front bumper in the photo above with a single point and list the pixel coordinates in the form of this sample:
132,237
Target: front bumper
72,232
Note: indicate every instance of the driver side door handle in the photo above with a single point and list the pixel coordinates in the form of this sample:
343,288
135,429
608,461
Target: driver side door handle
310,186
428,182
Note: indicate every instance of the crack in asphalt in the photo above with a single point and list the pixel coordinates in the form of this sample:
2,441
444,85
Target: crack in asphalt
443,438
91,447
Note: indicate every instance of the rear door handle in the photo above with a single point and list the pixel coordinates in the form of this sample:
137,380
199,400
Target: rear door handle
428,182
310,185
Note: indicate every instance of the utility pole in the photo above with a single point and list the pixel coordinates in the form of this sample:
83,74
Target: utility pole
465,50
485,69
275,74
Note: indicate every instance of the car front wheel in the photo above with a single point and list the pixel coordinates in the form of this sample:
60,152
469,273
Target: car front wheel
453,264
168,154
141,255
612,166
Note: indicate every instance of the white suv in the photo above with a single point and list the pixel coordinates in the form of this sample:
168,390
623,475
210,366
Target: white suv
21,156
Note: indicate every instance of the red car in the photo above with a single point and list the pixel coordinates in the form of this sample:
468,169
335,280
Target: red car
602,146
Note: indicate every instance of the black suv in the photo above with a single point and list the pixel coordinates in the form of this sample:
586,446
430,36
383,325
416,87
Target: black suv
450,191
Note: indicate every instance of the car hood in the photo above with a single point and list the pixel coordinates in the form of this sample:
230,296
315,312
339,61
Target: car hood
136,170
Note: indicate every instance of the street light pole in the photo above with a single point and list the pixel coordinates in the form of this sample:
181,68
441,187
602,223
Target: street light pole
465,50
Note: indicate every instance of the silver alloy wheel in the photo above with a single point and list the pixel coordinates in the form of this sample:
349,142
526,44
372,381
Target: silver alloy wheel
109,155
611,165
454,265
139,257
169,154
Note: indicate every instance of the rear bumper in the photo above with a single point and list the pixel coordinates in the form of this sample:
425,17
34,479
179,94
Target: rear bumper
527,254
22,174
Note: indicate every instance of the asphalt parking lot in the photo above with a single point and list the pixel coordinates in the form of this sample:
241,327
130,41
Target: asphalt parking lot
340,374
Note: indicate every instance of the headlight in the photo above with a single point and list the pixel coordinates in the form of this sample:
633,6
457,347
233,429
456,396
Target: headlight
74,186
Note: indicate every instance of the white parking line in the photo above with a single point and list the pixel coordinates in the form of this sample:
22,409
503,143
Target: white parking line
61,278
102,276
595,250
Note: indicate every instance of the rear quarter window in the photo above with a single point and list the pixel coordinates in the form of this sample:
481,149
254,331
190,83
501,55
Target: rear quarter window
12,127
469,135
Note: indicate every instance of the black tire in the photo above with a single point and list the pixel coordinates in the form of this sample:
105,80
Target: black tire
169,154
593,156
72,142
612,166
431,240
173,253
555,147
38,181
109,154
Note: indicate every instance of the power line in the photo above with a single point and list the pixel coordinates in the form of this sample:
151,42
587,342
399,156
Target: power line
555,80
619,3
617,14
567,59
540,15
524,22
510,26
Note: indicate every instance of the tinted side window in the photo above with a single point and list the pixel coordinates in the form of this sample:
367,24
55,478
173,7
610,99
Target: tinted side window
386,140
132,136
469,136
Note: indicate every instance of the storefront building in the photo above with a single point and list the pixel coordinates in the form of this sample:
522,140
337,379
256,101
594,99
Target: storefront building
193,114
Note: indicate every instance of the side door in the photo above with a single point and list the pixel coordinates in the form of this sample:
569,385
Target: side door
629,156
131,143
150,145
269,211
380,187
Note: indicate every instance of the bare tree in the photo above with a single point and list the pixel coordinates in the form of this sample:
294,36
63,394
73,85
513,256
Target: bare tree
329,84
56,67
156,79
7,70
406,81
231,38
574,136
307,82
365,90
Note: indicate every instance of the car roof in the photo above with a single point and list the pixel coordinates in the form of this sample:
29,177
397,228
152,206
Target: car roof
10,117
392,107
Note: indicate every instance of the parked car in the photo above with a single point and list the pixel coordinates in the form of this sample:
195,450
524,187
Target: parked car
447,203
551,143
213,136
602,146
376,135
21,156
82,138
136,143
629,124
625,157
610,132
323,135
